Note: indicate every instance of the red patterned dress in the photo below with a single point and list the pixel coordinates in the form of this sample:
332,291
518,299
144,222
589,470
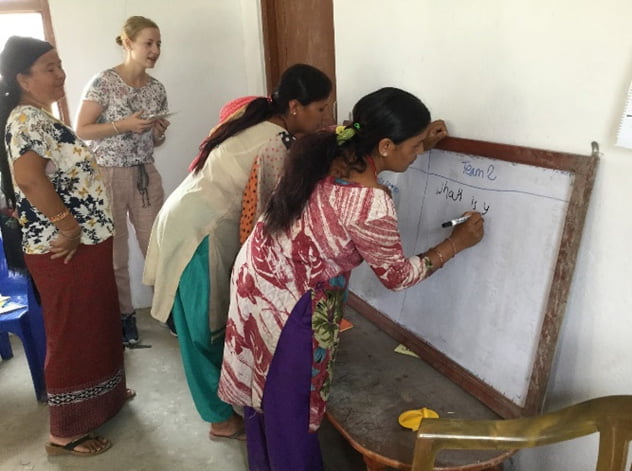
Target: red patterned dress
342,225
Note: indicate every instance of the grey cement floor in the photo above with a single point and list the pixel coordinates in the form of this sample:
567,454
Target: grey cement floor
159,430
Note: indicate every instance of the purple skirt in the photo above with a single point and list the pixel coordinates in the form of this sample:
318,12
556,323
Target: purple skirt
279,438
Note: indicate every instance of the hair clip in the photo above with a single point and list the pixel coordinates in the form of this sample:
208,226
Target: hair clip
343,134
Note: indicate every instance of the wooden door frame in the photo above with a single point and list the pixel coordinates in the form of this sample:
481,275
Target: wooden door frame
41,7
277,57
270,39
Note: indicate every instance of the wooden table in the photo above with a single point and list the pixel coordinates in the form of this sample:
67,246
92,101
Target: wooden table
373,384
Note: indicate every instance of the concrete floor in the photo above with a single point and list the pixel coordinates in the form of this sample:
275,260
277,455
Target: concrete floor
159,430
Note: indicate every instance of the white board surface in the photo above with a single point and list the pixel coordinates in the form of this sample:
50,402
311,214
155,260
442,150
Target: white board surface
484,309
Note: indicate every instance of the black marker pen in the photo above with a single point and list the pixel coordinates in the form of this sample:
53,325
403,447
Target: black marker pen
454,222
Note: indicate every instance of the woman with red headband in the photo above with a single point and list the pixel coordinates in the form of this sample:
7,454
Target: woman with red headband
196,235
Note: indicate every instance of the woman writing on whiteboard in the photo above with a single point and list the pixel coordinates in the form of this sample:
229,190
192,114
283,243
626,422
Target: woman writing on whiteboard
290,278
120,115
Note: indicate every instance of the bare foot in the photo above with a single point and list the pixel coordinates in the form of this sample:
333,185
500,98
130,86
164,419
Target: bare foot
231,428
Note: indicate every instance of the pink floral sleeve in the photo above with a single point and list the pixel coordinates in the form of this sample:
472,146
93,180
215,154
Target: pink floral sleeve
374,231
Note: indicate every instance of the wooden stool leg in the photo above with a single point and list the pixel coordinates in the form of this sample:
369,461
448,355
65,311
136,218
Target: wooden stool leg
372,465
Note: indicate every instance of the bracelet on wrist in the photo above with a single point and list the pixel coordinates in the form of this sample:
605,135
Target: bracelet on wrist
116,129
439,254
74,235
59,216
453,246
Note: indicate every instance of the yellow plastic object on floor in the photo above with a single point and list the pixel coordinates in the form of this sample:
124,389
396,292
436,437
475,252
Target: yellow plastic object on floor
412,418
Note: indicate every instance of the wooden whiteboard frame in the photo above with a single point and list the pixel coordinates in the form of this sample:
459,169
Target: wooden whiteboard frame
583,168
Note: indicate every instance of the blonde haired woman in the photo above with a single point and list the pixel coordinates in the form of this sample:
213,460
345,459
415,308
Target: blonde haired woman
115,115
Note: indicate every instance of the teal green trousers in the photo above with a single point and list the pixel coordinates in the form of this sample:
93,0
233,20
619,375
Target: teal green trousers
202,359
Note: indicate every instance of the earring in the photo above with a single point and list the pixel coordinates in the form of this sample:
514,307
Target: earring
383,154
293,113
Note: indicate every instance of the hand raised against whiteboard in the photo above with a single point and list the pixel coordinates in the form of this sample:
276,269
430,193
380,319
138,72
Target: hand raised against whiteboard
469,233
437,130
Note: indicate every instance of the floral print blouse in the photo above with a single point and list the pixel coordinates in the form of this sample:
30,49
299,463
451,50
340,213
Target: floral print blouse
119,100
71,169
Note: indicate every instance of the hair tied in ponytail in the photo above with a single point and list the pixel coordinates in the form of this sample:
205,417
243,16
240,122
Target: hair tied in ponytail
344,133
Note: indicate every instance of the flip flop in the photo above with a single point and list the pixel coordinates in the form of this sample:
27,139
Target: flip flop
238,435
54,449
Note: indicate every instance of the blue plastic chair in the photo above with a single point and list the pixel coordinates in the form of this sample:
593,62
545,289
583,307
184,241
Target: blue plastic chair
27,323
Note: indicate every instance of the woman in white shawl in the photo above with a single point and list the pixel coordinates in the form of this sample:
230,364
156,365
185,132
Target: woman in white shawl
195,237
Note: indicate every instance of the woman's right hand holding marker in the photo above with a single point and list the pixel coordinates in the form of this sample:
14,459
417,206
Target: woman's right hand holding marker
469,233
464,235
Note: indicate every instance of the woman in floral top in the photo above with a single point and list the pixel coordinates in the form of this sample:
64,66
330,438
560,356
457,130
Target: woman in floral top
116,116
64,212
289,281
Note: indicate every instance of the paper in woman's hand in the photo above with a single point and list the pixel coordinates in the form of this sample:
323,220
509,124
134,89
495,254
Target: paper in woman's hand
161,115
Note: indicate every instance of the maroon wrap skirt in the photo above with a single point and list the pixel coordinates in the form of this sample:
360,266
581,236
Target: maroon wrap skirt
85,377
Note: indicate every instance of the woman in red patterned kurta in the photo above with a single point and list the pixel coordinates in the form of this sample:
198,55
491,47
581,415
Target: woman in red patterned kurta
195,239
290,279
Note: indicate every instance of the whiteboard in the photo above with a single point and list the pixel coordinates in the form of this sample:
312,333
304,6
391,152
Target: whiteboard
485,309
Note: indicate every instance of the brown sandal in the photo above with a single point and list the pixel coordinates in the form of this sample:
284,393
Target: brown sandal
54,449
238,435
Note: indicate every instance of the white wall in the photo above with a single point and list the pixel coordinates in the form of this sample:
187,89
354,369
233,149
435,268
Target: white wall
212,53
536,73
551,75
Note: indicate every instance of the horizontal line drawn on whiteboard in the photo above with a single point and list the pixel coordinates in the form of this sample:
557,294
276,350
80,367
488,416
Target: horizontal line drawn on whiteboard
453,180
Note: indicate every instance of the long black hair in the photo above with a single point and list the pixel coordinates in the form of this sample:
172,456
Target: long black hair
301,82
10,93
386,113
17,57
